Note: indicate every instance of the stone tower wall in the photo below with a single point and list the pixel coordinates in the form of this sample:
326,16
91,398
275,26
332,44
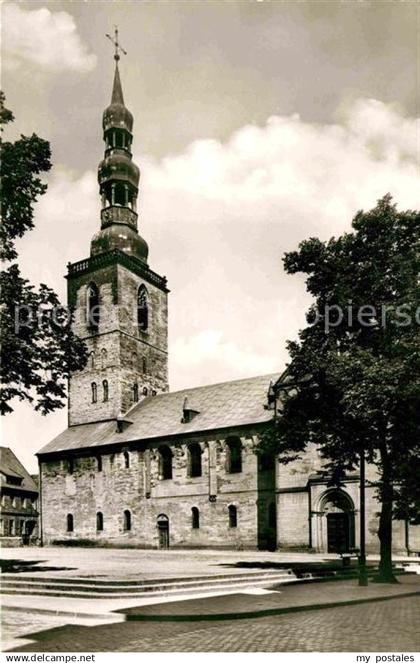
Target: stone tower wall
118,351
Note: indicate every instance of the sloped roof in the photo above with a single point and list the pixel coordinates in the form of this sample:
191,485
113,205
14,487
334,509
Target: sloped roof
224,405
11,466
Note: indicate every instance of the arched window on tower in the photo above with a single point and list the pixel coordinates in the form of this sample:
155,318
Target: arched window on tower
194,458
195,518
119,139
106,390
165,462
126,459
233,455
99,521
92,307
144,364
134,360
127,520
233,516
135,392
94,389
104,358
120,195
142,309
99,463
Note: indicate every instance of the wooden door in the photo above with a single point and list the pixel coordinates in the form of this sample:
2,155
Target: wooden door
338,531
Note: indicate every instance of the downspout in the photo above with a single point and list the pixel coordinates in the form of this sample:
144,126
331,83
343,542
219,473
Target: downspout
310,515
40,527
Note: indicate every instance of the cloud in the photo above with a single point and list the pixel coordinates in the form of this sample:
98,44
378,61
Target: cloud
45,38
210,354
66,217
219,217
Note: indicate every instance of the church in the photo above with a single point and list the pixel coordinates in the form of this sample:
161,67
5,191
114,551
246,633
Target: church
142,466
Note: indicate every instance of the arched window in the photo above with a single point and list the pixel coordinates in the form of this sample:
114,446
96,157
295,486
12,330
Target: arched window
127,520
99,463
91,360
104,358
194,457
233,516
142,309
165,462
145,391
119,194
106,390
195,518
92,307
135,392
144,364
233,455
70,522
70,465
99,521
126,459
94,389
134,360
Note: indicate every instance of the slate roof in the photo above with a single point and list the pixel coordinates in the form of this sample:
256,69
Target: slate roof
11,466
224,405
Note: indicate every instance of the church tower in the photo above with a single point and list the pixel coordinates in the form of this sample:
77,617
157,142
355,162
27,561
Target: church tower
120,304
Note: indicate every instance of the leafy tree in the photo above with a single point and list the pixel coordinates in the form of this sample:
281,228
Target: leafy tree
353,384
38,348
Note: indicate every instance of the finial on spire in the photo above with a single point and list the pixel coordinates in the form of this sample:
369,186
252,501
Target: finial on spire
117,44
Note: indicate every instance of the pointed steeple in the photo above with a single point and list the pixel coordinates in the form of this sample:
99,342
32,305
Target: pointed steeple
117,93
118,178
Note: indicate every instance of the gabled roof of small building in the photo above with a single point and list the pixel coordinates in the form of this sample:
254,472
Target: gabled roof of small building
218,406
10,466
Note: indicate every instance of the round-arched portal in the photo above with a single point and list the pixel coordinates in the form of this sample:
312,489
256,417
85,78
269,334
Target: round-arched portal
162,523
335,531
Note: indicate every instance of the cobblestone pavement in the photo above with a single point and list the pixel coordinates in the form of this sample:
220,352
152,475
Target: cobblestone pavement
286,596
16,623
386,626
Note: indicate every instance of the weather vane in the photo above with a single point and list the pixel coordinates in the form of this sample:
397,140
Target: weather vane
117,44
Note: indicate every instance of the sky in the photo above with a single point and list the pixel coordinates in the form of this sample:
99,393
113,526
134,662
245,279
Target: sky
256,126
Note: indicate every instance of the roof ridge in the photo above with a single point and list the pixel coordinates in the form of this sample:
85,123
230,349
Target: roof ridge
219,384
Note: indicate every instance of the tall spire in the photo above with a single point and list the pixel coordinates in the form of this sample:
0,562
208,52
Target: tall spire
117,93
118,177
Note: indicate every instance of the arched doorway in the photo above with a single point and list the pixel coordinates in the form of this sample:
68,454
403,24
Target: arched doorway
338,509
163,530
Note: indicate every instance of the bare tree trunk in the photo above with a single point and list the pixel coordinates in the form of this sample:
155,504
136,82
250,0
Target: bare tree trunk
385,572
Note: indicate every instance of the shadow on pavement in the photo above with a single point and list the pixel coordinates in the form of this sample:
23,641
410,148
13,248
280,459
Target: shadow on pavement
25,566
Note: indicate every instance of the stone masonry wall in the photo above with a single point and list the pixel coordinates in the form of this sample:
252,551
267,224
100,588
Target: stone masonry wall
119,352
300,490
141,489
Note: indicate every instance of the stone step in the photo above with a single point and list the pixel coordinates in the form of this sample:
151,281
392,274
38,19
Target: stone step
83,580
86,584
162,590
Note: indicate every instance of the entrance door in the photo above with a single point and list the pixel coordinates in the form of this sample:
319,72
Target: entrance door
338,530
163,531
